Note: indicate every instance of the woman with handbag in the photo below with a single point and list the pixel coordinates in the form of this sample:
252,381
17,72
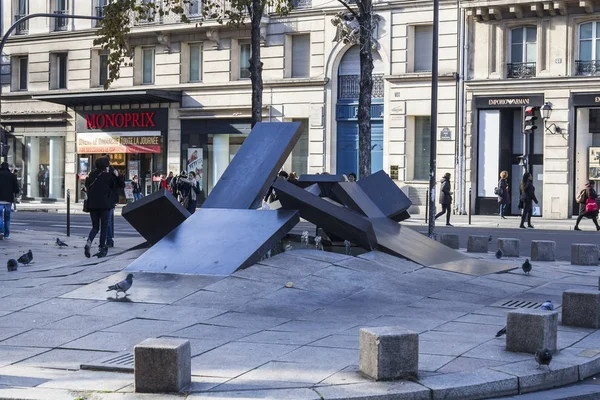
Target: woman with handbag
587,205
502,193
527,199
99,186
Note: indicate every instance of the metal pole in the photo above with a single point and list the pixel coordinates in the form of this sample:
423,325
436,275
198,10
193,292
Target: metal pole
470,206
68,212
433,138
427,207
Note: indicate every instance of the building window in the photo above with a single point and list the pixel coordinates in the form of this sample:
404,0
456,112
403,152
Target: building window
589,49
423,49
422,148
523,52
22,10
62,8
59,73
147,66
300,56
22,65
194,9
245,54
100,10
102,68
195,62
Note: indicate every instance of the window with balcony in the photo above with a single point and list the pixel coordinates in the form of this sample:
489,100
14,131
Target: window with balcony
61,8
58,71
195,62
422,48
22,8
245,54
523,52
102,68
300,56
147,66
589,49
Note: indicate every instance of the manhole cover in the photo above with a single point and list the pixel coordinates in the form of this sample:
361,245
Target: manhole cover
520,304
122,362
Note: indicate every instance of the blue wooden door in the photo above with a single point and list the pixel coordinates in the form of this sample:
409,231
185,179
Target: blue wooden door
347,147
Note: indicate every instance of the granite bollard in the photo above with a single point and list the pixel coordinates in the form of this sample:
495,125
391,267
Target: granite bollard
584,254
389,352
509,247
581,308
543,250
450,239
530,330
477,244
162,365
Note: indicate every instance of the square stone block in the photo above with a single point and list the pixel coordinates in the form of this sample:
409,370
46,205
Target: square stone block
581,308
509,247
543,250
530,330
584,254
477,244
162,365
389,352
450,240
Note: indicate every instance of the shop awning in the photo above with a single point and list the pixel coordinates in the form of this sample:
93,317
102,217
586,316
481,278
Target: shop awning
104,97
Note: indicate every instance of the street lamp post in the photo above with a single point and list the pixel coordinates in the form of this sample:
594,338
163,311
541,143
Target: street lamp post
26,18
433,138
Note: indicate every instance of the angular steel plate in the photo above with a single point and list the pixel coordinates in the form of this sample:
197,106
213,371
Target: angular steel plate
156,215
255,166
352,196
386,195
340,221
217,242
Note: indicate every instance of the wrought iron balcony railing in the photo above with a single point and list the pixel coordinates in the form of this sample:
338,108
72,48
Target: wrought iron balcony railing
521,70
61,24
23,27
349,86
591,67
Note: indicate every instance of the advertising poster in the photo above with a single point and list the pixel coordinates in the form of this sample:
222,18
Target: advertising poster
133,168
194,163
128,190
594,163
114,142
84,164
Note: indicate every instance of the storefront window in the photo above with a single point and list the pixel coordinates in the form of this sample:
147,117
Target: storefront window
45,167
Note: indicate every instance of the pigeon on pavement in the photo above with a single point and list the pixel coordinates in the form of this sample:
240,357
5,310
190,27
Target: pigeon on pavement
526,266
60,243
543,357
122,286
12,265
490,239
548,306
26,258
499,254
501,332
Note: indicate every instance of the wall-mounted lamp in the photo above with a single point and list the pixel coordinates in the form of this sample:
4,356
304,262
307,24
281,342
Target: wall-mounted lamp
546,110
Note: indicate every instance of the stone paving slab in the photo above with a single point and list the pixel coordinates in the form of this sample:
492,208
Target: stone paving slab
252,337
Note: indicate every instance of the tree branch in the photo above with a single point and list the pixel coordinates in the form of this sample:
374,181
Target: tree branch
349,9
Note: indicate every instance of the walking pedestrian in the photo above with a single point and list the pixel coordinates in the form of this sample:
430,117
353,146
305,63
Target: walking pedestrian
293,178
100,185
14,204
502,192
168,180
445,198
526,200
587,205
137,191
191,190
183,189
9,188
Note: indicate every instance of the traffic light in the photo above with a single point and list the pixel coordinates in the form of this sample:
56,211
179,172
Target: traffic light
529,120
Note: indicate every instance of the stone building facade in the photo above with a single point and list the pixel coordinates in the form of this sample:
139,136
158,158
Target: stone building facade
193,79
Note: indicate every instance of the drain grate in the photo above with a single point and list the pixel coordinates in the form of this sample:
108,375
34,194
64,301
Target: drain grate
521,304
122,362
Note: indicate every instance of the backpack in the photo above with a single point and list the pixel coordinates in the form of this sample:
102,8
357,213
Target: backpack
580,196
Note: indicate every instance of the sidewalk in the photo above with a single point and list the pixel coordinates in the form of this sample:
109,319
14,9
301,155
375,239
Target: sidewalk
254,338
59,207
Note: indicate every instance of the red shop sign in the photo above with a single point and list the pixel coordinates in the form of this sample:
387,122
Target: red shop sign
120,120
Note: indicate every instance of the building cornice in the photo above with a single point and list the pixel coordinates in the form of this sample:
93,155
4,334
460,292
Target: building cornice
519,85
419,77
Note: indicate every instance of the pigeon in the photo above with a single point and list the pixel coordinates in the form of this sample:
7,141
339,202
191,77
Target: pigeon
122,286
548,306
526,266
490,239
499,254
26,258
543,357
12,265
501,332
60,243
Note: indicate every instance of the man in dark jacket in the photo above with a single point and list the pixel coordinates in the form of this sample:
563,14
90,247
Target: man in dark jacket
120,184
9,188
